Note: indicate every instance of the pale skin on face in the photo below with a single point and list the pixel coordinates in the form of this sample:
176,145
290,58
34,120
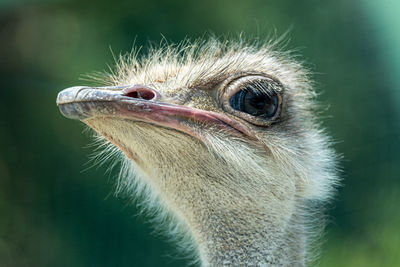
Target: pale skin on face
237,184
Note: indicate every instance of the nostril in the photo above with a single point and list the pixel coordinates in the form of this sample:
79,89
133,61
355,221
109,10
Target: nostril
133,94
140,92
145,94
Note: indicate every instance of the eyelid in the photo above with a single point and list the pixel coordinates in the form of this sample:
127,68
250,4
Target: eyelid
232,86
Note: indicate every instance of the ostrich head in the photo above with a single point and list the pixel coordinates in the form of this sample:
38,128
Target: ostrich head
224,135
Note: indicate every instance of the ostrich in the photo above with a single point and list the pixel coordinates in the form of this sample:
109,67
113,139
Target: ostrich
222,136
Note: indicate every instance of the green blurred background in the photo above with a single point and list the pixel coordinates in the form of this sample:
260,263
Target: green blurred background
56,212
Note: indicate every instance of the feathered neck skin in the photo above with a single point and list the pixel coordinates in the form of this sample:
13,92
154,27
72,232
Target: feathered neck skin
237,209
245,238
247,245
237,182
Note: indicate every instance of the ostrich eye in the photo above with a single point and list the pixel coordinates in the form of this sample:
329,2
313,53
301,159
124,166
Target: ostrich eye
254,103
254,98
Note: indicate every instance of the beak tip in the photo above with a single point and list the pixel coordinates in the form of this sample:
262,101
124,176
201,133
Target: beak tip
69,95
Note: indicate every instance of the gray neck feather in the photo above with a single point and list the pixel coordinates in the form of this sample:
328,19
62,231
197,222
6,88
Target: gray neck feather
235,240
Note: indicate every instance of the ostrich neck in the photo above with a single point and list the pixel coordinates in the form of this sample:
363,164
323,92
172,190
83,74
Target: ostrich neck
264,229
235,217
224,244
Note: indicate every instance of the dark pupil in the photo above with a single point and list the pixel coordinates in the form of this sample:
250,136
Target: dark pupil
255,104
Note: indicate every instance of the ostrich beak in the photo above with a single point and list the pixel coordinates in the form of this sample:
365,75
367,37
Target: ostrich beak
141,103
